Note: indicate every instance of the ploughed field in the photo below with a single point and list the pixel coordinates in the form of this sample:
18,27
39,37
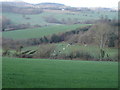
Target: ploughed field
47,73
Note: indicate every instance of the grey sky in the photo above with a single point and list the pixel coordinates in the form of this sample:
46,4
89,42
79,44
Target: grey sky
78,3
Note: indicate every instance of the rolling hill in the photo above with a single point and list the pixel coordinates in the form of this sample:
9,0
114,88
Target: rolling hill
40,32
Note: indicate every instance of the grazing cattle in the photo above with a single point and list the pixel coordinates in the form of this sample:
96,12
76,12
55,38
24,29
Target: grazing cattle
68,45
85,44
63,48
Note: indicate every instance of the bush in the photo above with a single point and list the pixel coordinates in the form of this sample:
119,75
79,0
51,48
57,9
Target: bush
81,55
51,19
6,52
55,38
44,51
76,54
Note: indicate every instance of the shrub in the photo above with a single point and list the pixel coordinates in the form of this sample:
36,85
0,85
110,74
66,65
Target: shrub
79,54
76,54
6,53
55,38
51,19
44,51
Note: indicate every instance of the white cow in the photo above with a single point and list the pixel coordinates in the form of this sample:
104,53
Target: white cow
85,45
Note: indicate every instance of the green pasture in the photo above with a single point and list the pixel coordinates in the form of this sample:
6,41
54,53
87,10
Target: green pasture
46,73
38,18
91,49
40,32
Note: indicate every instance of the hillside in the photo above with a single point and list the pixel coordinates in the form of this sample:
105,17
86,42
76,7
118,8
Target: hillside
40,32
52,45
16,3
82,17
44,14
51,4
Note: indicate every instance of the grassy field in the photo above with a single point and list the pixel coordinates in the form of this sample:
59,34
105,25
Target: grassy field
38,18
39,32
92,50
49,73
45,73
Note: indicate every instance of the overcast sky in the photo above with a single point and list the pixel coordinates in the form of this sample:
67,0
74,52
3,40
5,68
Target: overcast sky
78,3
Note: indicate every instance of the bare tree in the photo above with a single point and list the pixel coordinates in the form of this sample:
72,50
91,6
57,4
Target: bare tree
101,36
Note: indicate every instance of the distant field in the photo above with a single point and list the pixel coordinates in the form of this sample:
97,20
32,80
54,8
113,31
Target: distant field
38,18
45,73
39,32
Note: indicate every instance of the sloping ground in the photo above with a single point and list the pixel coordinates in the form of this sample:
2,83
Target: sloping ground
38,18
93,50
39,32
45,73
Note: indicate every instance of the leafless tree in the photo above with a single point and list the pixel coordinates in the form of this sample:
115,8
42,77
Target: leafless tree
101,36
